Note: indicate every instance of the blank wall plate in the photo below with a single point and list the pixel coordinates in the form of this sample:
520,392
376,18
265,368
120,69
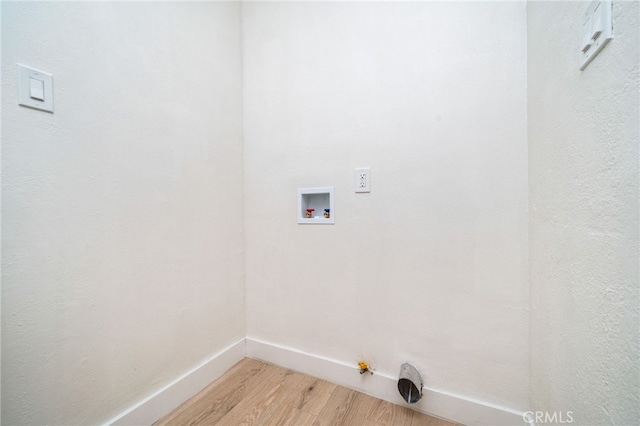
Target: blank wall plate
35,89
596,30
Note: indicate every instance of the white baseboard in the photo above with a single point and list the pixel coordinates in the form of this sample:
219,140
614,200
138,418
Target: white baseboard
175,393
436,403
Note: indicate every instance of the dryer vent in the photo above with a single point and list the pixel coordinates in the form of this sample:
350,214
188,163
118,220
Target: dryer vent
410,383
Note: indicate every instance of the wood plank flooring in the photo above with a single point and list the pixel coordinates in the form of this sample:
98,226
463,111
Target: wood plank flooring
256,393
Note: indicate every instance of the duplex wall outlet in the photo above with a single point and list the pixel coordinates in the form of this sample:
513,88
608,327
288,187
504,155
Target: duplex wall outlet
363,179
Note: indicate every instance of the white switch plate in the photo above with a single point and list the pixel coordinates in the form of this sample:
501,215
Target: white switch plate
29,93
595,31
363,179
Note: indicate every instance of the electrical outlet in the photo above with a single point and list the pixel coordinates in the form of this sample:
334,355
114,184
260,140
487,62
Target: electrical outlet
363,180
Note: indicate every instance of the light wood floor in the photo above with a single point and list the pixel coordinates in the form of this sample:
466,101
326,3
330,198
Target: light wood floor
257,393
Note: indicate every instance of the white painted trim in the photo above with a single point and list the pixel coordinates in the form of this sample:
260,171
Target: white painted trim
434,402
165,400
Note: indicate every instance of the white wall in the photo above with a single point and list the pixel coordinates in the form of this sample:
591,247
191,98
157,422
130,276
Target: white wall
122,211
583,151
431,266
122,233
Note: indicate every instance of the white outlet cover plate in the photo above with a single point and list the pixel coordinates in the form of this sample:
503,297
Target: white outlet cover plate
363,179
34,100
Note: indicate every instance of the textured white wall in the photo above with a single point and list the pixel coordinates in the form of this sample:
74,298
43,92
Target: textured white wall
122,212
583,151
431,266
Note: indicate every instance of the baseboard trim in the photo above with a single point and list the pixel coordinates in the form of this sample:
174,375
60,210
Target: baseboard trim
434,402
165,400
